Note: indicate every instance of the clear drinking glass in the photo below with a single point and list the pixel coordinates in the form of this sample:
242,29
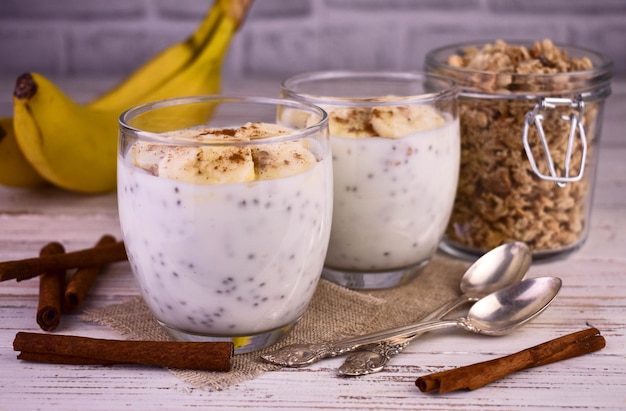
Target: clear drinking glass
225,207
395,142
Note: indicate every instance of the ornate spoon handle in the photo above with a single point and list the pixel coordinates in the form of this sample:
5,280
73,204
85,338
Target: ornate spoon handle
300,355
373,360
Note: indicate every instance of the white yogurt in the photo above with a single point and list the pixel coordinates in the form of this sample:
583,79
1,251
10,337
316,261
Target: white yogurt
226,259
393,198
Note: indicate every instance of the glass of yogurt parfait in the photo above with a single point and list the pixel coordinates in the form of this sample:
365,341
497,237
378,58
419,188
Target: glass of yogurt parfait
396,149
225,206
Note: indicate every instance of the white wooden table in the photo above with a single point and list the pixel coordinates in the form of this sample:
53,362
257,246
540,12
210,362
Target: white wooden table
594,291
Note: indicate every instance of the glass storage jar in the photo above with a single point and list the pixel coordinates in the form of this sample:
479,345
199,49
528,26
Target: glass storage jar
531,119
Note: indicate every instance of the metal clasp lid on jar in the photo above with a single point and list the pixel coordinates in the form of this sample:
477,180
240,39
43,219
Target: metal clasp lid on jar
535,117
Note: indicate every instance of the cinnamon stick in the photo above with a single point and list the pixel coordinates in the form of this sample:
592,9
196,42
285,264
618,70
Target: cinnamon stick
480,374
80,283
31,267
51,285
66,349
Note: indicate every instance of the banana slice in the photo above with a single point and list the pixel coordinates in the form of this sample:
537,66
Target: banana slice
352,122
279,160
253,131
148,155
400,121
193,164
298,118
208,165
382,121
227,164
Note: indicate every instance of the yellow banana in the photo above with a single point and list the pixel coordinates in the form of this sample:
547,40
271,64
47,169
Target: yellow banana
74,146
70,145
203,75
161,67
15,170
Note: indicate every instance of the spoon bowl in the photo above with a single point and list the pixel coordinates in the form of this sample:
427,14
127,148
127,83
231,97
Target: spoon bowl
511,307
504,265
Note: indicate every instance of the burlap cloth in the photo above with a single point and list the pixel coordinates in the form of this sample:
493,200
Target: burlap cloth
334,311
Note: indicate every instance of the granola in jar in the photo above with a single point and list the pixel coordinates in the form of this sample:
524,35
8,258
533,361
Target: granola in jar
500,197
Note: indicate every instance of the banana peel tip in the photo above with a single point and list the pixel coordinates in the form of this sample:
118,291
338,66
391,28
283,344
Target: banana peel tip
25,87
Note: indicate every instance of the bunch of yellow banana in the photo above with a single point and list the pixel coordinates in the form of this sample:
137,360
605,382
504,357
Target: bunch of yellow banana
74,146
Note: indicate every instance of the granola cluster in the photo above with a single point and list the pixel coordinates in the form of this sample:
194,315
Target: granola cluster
499,198
504,68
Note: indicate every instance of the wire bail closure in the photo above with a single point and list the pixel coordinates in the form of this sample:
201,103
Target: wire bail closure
535,117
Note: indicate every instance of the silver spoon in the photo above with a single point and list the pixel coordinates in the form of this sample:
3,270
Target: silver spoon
503,265
498,313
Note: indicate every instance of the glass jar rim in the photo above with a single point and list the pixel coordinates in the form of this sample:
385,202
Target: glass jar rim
158,137
288,87
434,57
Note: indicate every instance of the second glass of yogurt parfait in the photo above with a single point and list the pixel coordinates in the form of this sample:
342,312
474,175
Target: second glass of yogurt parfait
396,149
225,207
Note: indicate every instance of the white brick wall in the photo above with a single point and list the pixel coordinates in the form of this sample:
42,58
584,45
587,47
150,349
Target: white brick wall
283,37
